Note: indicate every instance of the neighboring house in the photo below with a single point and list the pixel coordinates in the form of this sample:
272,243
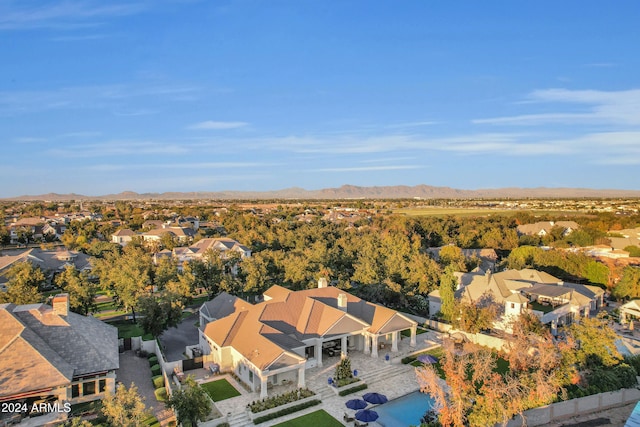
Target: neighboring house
553,301
275,341
50,353
630,311
183,235
630,237
543,228
222,244
123,236
488,257
50,261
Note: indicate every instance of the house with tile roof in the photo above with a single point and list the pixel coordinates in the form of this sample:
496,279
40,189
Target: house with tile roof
276,340
50,353
123,236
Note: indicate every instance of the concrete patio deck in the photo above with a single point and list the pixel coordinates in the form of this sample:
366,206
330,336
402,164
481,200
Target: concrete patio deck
391,378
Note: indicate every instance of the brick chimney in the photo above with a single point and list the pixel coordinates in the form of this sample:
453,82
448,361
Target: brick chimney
60,304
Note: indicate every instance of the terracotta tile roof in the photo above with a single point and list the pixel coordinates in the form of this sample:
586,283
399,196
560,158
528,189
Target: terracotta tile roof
266,332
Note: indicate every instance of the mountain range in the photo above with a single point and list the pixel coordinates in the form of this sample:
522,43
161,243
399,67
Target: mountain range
352,192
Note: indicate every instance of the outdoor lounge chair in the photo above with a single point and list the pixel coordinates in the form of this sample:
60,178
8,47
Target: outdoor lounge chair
357,424
347,418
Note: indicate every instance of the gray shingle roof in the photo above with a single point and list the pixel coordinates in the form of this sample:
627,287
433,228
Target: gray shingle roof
41,348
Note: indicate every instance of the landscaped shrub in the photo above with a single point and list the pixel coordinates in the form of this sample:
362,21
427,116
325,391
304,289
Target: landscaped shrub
352,389
279,400
343,372
158,381
286,411
152,355
153,360
161,394
156,370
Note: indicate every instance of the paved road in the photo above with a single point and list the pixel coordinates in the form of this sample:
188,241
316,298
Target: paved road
174,340
136,370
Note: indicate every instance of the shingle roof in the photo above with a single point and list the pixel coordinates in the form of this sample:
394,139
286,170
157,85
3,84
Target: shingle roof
40,348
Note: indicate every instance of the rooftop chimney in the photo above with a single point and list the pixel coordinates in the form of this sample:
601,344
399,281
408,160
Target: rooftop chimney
322,282
342,302
61,304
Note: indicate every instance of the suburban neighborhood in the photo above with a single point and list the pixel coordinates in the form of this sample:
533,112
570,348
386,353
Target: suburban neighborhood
270,331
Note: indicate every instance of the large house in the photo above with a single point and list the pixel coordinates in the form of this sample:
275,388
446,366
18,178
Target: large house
543,228
198,250
50,261
275,341
48,353
553,301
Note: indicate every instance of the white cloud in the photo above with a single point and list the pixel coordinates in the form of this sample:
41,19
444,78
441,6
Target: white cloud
24,15
214,125
368,168
594,107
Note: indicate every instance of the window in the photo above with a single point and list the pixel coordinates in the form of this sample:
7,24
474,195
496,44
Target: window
89,388
75,390
102,386
513,305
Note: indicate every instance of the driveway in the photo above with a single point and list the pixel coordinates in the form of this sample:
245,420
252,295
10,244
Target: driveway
174,340
136,370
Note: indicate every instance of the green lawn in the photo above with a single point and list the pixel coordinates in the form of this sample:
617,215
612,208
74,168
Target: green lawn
220,390
127,329
407,332
317,418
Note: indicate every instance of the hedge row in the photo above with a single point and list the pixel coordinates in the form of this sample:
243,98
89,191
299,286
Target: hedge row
158,381
286,411
161,394
156,370
352,390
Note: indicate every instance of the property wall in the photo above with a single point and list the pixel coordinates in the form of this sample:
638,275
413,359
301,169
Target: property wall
574,407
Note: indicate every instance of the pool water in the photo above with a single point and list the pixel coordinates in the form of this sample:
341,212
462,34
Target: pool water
404,411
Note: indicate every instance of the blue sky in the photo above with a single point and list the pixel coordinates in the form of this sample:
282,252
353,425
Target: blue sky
182,95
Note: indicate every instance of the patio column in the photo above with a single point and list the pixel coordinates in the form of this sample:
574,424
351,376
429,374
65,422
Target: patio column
367,343
374,346
263,387
414,330
394,342
319,354
301,370
343,347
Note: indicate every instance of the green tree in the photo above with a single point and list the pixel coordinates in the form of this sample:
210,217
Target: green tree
127,276
159,314
191,402
82,292
634,251
452,256
448,285
125,407
22,286
596,272
595,339
629,284
165,271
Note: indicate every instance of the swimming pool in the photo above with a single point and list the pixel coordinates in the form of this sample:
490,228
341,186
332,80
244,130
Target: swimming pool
404,411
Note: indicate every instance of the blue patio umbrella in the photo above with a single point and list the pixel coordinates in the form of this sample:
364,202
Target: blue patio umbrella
366,415
375,398
356,404
427,358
